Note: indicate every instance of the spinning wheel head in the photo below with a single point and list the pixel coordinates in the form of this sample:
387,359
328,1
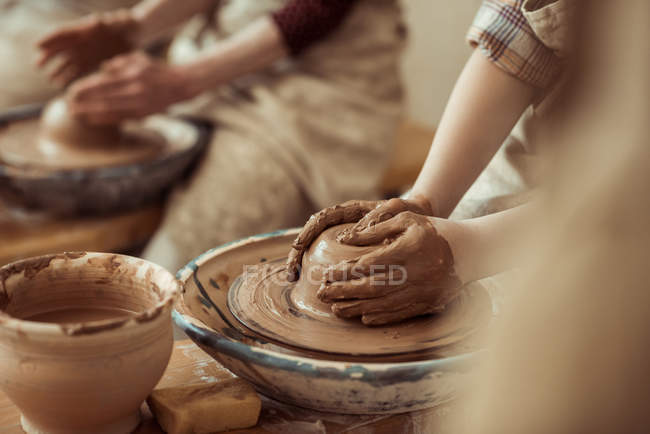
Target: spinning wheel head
291,314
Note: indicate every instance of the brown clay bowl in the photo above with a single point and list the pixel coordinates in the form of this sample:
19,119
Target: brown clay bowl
100,190
90,374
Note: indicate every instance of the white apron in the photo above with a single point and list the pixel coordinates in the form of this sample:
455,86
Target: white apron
307,133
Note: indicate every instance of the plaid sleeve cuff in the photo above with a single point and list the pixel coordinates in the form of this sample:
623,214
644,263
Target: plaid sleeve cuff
502,33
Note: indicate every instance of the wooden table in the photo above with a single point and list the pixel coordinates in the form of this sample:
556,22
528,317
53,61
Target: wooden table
28,233
190,365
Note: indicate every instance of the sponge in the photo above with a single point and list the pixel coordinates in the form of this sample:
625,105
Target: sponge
228,404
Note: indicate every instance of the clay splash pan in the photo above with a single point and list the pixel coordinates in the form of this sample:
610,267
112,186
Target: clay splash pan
93,181
273,308
389,369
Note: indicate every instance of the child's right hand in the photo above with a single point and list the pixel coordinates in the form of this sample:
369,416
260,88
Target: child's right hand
411,272
362,212
386,210
83,44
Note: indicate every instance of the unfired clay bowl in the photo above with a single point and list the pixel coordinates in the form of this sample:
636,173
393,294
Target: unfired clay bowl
92,374
325,382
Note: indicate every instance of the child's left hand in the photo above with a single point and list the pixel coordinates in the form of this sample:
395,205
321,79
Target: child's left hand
411,274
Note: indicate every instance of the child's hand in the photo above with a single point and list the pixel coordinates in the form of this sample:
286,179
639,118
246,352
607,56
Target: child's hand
386,210
347,212
363,212
411,274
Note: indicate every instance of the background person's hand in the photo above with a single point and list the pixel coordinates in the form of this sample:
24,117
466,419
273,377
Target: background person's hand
83,44
127,87
411,273
363,212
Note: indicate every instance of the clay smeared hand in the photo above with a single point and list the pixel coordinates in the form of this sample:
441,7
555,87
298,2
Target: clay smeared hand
347,212
83,44
386,210
127,87
411,273
363,212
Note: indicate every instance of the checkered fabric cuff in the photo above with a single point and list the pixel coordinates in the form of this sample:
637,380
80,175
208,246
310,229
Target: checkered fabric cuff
503,34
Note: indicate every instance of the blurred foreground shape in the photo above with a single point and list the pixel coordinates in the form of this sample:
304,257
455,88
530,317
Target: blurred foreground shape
571,353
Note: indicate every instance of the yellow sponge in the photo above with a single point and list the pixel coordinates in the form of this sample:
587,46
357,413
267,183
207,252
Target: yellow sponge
205,408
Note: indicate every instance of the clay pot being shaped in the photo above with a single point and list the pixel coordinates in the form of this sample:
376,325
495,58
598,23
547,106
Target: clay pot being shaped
64,141
324,252
59,128
84,338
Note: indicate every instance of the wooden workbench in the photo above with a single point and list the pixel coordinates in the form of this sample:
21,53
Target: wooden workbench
28,233
190,365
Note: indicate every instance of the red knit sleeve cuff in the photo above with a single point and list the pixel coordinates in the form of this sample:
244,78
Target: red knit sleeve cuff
305,22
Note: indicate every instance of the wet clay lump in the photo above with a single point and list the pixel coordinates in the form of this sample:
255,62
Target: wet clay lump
58,141
265,301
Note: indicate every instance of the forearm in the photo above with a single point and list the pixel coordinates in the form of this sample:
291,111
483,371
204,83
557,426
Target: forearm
483,108
252,49
288,31
491,244
156,17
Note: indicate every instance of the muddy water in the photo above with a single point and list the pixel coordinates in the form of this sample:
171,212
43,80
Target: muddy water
77,315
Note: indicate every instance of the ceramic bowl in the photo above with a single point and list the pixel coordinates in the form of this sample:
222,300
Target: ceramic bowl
90,375
106,189
325,382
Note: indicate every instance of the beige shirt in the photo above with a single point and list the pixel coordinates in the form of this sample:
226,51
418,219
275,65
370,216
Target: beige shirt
528,39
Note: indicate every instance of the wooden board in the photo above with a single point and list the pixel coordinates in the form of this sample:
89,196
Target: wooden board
412,145
190,365
24,234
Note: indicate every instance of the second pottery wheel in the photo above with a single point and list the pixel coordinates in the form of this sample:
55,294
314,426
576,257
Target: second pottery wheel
85,178
290,313
58,141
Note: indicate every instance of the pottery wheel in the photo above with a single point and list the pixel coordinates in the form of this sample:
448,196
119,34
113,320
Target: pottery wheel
22,145
290,313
